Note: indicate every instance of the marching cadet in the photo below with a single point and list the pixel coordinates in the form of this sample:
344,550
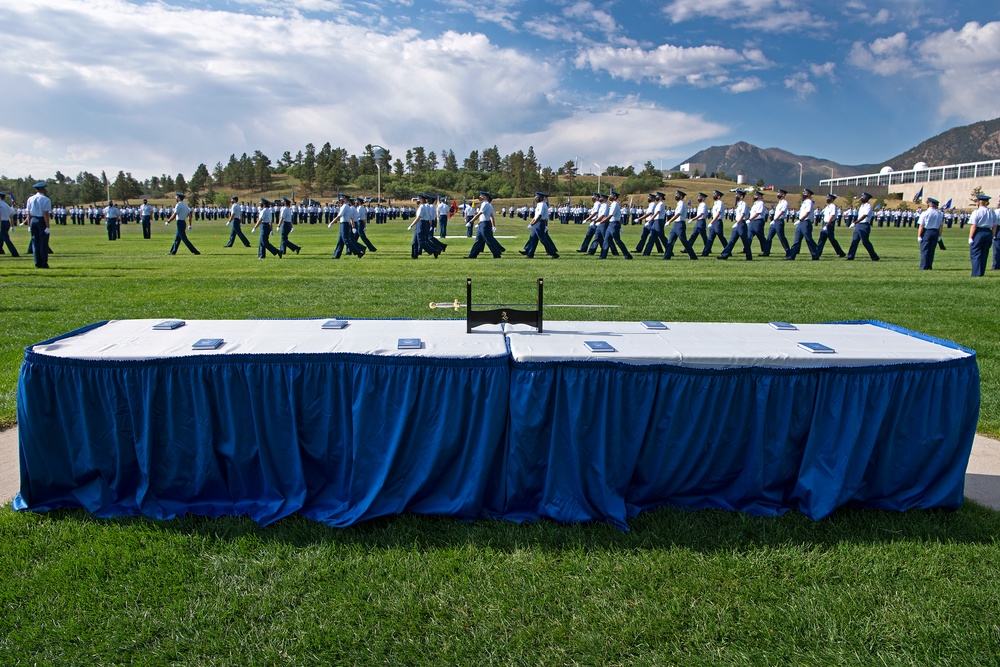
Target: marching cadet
5,226
804,225
235,222
700,222
347,229
826,231
777,226
928,233
647,219
264,222
146,218
982,231
601,226
470,214
715,224
182,214
361,224
612,234
487,225
678,229
756,219
539,227
442,217
739,228
285,217
423,241
39,212
595,211
862,230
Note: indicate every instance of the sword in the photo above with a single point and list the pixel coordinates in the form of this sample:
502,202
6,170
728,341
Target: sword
456,305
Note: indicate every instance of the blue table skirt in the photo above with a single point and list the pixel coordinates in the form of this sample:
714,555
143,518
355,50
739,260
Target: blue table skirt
343,438
604,441
338,438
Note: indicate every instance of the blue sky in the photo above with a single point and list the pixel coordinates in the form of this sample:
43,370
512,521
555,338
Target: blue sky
159,87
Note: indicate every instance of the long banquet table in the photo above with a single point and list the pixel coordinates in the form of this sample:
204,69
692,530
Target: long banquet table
343,426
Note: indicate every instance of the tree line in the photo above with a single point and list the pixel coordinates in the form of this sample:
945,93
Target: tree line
323,172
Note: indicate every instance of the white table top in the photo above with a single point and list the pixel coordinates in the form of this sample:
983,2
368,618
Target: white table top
124,340
724,345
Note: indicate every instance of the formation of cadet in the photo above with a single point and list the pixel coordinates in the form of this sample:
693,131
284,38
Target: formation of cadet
604,222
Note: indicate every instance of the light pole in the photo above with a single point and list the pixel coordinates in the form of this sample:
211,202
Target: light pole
656,157
800,173
379,168
598,176
831,176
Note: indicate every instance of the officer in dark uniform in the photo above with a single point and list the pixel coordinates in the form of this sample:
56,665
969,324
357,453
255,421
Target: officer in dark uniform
264,222
929,233
982,230
862,229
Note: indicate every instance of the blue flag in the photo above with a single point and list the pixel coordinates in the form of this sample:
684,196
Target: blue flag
920,195
948,205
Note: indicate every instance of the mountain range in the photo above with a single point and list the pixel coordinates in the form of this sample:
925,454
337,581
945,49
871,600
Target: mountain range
970,143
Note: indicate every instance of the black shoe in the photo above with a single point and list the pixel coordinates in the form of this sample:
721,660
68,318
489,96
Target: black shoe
843,254
628,256
765,254
468,257
555,255
196,252
581,251
849,259
523,252
723,257
875,259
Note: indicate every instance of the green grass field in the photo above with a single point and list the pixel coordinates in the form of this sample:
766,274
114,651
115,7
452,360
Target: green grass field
692,588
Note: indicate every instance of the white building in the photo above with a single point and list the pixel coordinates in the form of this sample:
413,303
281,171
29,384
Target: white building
955,182
690,168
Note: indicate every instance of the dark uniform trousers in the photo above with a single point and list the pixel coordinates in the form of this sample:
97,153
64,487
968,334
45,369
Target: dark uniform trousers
861,233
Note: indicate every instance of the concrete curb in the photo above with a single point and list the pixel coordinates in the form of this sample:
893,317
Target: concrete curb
982,478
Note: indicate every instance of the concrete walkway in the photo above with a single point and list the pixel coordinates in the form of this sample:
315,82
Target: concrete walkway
982,478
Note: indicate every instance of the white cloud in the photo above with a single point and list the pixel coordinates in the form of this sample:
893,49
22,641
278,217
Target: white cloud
620,134
746,85
667,65
826,69
800,83
152,89
967,65
765,15
885,56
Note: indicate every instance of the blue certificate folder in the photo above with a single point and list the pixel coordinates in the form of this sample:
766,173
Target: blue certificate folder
784,326
817,347
653,325
207,344
599,346
334,324
409,344
167,325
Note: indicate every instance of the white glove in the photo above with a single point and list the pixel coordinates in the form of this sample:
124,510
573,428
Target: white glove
852,225
970,241
46,230
920,238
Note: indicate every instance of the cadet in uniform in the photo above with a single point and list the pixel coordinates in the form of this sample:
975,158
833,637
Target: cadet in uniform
678,229
715,228
264,240
285,216
739,228
235,222
700,222
612,235
5,226
982,230
756,219
804,226
39,211
182,214
487,222
595,213
347,229
146,218
928,233
862,229
826,231
361,224
539,227
777,226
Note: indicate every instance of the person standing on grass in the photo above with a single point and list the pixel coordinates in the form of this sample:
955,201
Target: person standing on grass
982,231
39,212
111,221
539,227
264,222
235,223
347,229
285,220
612,235
181,214
678,228
804,226
590,220
929,233
487,225
442,217
715,225
5,226
826,231
862,230
739,228
756,219
652,224
777,226
700,222
361,224
146,218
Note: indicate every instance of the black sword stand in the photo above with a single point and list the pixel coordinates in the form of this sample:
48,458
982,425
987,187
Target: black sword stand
503,315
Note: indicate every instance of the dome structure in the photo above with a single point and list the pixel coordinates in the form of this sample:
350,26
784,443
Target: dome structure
885,170
920,165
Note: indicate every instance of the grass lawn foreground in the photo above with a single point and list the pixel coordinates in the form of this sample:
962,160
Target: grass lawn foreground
691,588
